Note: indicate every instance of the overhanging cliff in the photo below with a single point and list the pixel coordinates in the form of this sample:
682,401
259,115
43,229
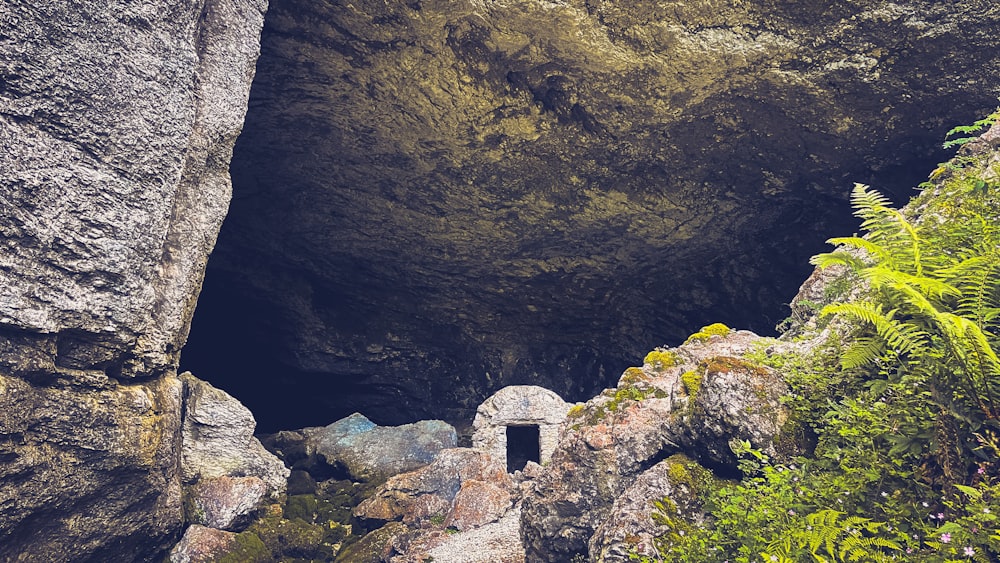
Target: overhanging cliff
436,199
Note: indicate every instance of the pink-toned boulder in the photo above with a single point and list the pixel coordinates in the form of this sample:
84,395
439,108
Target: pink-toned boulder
201,545
478,503
226,503
462,487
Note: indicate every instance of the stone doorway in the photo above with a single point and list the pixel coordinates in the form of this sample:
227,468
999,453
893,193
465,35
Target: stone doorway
518,424
522,446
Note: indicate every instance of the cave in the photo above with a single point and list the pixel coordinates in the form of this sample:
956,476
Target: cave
523,445
432,201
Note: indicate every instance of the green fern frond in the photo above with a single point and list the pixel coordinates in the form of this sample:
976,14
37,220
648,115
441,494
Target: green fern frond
861,352
880,276
876,251
977,278
857,547
887,227
839,258
901,337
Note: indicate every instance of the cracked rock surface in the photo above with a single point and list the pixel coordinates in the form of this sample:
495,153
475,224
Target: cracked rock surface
117,122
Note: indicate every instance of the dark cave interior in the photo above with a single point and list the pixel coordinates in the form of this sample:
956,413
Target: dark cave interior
398,272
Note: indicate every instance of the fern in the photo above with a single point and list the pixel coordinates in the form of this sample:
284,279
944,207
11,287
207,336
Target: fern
969,131
932,312
830,537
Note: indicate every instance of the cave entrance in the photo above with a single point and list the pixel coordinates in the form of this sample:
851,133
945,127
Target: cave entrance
523,445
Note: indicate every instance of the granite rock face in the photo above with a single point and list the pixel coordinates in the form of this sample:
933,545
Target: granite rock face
442,198
218,441
117,122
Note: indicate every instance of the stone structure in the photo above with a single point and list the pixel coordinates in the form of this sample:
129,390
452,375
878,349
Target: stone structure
519,406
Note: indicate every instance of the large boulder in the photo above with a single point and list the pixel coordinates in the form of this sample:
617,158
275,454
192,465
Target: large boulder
369,452
662,500
225,503
117,122
695,400
218,440
461,489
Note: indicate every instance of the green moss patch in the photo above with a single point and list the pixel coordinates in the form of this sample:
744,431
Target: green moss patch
661,359
707,332
691,380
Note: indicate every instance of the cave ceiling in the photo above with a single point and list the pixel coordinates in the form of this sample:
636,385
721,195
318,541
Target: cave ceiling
436,199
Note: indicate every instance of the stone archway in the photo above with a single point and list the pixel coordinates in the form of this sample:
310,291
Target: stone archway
517,410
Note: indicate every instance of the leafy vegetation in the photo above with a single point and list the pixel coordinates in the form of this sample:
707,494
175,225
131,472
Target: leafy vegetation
965,133
903,399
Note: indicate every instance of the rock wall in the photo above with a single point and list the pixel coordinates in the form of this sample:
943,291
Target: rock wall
436,199
117,122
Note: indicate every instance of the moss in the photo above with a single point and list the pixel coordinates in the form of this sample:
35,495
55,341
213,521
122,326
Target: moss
661,359
729,364
635,375
618,399
691,380
576,411
303,507
370,547
795,438
249,549
707,332
294,538
683,470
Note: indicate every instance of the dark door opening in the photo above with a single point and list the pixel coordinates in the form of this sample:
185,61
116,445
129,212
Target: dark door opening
522,446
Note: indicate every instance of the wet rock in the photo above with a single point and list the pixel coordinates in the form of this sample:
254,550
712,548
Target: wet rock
218,439
201,544
226,503
375,547
370,452
301,483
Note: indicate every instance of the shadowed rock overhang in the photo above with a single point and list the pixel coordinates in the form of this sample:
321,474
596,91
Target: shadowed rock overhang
437,199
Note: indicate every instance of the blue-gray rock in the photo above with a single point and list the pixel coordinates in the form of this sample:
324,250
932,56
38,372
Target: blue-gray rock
370,452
